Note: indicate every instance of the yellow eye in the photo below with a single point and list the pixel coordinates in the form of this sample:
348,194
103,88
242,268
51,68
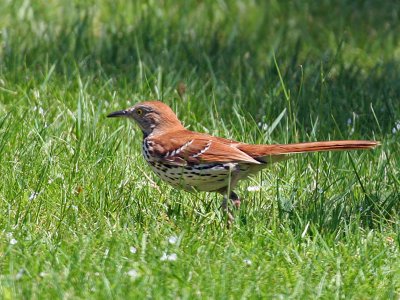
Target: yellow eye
139,112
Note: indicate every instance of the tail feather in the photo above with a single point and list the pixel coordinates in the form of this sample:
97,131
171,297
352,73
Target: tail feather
277,152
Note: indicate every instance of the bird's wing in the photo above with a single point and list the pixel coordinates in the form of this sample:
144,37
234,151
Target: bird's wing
186,147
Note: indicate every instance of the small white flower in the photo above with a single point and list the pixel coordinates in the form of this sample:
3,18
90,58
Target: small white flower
41,111
172,239
263,126
97,274
106,252
349,121
33,196
247,262
253,188
9,235
43,274
133,274
20,274
396,127
36,94
172,257
13,241
169,257
132,250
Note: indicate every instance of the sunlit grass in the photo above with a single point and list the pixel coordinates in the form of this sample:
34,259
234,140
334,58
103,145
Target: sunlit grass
84,217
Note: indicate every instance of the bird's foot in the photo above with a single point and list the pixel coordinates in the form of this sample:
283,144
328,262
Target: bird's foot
226,209
235,200
236,203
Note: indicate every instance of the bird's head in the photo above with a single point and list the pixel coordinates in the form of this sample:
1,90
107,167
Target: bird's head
153,117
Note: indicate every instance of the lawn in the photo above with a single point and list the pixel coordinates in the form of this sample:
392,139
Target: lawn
82,215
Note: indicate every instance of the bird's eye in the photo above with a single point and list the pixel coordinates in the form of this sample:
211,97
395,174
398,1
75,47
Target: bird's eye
139,112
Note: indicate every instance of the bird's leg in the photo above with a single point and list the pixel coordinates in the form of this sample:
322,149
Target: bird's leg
235,200
225,205
226,209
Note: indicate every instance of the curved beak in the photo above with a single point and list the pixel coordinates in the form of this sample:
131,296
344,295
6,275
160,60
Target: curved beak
120,113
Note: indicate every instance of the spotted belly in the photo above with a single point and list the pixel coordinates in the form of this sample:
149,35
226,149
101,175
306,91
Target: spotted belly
203,177
206,177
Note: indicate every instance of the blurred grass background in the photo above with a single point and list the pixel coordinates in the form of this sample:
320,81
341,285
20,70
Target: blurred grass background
77,197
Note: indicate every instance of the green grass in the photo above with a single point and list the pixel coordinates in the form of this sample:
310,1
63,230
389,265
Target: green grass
76,195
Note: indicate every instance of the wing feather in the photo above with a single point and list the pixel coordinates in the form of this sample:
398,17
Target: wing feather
187,147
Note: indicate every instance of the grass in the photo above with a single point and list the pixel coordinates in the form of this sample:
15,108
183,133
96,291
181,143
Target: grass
84,217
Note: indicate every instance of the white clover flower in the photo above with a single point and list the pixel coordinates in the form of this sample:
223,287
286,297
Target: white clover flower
43,274
173,239
172,257
132,250
169,257
263,126
13,241
396,127
253,188
133,274
164,257
247,261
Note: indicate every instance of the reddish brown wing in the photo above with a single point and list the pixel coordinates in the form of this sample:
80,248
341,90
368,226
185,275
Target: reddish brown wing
187,147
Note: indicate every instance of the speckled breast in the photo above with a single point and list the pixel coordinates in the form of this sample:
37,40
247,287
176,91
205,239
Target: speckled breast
197,177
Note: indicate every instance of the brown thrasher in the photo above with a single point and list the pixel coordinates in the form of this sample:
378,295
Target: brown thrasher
196,161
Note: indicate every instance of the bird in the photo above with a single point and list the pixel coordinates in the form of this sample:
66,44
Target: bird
195,161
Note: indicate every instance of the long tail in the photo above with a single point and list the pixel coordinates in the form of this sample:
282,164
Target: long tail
277,152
